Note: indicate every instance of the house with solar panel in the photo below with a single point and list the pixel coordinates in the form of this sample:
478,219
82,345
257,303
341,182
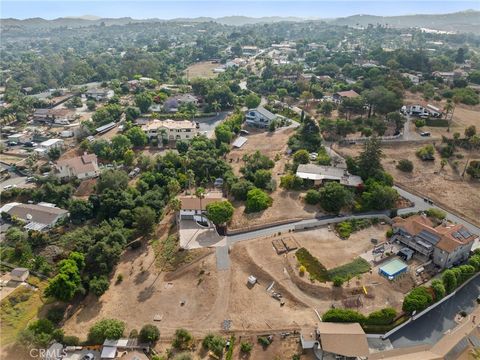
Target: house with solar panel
447,244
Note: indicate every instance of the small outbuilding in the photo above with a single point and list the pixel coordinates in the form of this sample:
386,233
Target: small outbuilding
19,274
393,268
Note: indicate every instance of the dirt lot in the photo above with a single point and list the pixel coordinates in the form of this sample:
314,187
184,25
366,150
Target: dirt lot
286,204
332,251
445,186
280,349
203,69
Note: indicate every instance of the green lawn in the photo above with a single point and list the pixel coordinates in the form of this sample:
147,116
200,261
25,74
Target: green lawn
314,267
350,270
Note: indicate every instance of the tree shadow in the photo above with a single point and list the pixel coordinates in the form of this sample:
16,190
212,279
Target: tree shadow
148,292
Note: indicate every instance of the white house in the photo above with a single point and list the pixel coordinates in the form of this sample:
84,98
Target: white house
192,206
81,167
20,137
51,144
259,117
172,130
319,173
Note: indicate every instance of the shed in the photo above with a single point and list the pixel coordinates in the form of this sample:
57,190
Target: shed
239,142
19,274
108,352
393,268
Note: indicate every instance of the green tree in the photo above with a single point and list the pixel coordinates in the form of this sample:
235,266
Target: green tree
182,339
369,160
214,343
91,105
333,197
223,134
144,219
252,101
132,113
106,329
98,285
470,131
291,182
257,200
312,197
438,289
240,189
246,347
301,157
112,179
80,210
262,178
143,101
220,212
149,333
417,300
449,281
137,137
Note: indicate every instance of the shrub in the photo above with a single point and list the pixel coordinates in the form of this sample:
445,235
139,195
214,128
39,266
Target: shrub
257,200
106,329
149,333
71,341
426,152
353,268
338,281
182,339
405,165
241,188
344,229
214,343
343,316
99,285
436,213
449,280
302,270
389,233
316,270
381,317
119,278
55,314
312,197
246,347
417,300
291,182
419,123
438,289
262,340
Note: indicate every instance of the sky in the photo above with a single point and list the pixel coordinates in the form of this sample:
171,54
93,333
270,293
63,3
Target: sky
161,9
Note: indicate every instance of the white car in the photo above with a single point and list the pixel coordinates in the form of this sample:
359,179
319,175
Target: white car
313,156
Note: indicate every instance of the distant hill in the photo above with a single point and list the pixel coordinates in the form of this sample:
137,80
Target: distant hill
465,21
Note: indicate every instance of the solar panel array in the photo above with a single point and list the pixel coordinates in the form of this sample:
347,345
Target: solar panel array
429,237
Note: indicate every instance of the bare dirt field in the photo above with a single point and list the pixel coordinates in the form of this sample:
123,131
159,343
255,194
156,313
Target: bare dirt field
286,204
446,187
333,251
203,69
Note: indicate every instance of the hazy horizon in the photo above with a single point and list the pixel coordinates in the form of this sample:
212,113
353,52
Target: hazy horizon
215,9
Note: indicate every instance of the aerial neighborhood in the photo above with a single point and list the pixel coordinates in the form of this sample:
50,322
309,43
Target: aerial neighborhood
239,188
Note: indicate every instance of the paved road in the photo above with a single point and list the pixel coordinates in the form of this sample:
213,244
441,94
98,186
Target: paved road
429,328
208,124
420,205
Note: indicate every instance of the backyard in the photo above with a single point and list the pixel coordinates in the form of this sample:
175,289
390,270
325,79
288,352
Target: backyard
203,69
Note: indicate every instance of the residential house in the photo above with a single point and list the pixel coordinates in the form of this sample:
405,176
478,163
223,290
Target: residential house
100,94
172,130
330,341
339,96
413,78
237,62
52,144
173,103
80,167
450,76
59,116
19,274
192,206
40,217
422,110
20,137
259,117
249,50
319,174
446,244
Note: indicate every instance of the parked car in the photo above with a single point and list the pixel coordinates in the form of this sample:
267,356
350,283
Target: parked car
313,156
424,133
12,143
134,172
8,187
244,132
30,144
88,356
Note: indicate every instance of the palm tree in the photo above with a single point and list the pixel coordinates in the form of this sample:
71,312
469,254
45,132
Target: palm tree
473,143
200,194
